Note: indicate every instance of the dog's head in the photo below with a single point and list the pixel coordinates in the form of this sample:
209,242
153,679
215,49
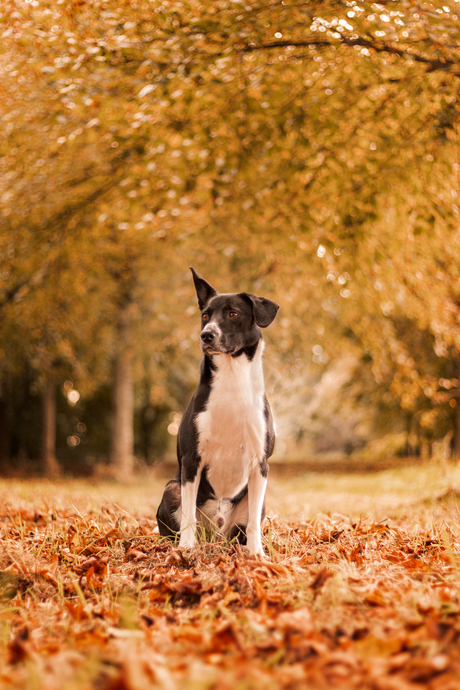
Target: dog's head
230,322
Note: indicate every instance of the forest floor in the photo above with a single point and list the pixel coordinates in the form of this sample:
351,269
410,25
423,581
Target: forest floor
359,588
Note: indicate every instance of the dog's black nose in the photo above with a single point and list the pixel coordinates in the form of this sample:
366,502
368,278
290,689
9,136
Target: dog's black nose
207,337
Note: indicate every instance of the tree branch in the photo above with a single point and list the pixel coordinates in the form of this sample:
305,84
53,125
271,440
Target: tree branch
62,218
434,64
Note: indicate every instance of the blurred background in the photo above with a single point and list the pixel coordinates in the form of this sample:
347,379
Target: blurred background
305,152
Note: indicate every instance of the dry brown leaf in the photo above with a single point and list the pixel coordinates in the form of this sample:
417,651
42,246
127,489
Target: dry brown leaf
299,621
320,579
379,646
136,555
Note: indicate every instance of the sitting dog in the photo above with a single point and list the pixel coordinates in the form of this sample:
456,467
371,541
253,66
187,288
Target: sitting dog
226,435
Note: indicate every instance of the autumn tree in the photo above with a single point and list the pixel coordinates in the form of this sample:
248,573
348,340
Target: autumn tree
256,140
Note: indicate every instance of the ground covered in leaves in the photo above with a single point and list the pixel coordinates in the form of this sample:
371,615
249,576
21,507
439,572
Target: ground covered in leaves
92,598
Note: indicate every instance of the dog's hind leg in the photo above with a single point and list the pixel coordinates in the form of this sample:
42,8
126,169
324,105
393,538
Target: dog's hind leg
236,526
239,520
168,514
238,532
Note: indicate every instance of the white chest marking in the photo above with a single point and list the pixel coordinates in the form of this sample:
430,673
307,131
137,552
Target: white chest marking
231,430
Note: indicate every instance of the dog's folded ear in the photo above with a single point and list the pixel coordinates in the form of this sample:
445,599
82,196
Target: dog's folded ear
264,309
204,291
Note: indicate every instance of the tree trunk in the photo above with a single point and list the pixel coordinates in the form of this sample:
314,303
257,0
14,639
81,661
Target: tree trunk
122,451
409,418
48,455
456,444
4,434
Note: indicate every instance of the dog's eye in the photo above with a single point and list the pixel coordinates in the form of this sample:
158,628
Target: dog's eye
233,314
205,317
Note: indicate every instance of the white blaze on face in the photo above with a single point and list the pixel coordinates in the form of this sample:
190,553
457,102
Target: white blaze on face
213,329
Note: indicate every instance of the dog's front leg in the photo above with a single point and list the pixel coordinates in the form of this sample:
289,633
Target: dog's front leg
189,492
256,493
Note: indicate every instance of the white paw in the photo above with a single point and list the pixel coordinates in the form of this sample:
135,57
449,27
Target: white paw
187,538
254,544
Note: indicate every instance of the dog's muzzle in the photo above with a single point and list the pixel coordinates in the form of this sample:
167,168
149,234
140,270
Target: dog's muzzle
208,337
211,340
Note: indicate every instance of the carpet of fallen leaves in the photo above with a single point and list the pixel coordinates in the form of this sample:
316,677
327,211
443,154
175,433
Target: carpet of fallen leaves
96,599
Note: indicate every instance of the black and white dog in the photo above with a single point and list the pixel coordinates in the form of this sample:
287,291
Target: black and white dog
226,435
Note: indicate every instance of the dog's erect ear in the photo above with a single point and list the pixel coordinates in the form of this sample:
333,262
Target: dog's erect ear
204,291
264,309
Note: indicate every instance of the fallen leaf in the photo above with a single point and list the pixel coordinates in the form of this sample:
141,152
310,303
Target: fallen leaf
378,646
19,647
299,621
320,579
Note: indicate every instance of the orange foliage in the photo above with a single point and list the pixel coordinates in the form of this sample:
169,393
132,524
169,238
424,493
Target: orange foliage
340,605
